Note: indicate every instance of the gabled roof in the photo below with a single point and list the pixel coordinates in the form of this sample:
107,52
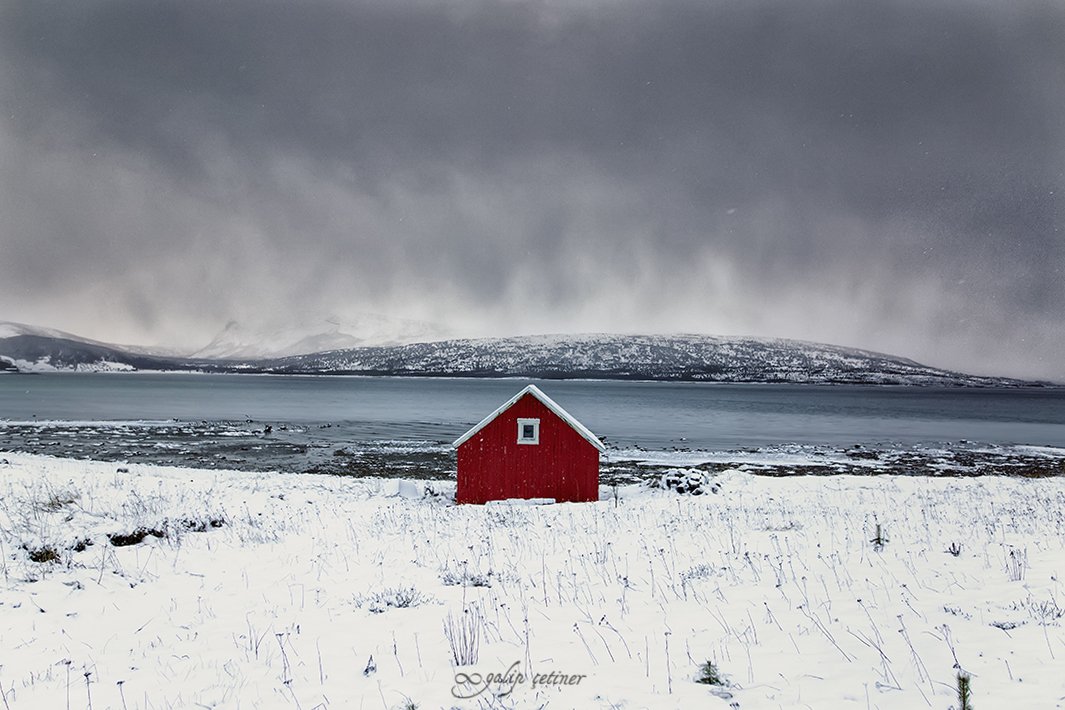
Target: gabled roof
547,402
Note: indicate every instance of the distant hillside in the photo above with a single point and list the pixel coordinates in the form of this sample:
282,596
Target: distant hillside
37,353
643,357
314,335
675,357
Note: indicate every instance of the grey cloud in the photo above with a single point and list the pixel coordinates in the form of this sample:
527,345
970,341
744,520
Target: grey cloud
888,176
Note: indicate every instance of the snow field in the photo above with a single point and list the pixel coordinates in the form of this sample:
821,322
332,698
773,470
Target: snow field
304,591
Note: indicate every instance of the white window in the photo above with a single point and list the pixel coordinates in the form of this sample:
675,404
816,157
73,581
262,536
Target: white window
528,431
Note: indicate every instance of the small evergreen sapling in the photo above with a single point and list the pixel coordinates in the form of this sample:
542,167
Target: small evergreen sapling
964,696
709,675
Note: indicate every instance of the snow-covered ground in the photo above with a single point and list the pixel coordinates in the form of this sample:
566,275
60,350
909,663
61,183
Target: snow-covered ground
262,590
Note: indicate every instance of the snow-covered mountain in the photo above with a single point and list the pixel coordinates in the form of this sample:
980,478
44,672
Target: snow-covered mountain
646,357
242,342
672,357
27,348
9,329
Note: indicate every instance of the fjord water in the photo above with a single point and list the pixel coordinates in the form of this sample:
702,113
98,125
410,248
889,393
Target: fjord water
653,415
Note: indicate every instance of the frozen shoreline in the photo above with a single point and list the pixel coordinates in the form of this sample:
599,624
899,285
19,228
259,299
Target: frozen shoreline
316,448
306,577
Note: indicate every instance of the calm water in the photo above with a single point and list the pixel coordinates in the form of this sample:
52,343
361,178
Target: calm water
651,415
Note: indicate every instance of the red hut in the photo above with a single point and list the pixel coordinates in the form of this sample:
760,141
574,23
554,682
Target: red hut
528,448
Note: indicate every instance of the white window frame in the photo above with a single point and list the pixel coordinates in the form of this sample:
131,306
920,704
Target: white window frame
522,423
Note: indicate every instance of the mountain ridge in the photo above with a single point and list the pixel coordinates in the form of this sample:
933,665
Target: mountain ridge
242,342
680,357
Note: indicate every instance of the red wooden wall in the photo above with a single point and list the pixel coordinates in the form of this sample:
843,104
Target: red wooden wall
493,466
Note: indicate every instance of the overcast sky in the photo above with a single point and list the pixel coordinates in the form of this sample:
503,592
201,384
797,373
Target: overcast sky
887,174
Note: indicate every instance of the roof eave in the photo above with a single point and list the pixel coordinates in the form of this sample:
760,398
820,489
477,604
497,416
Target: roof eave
535,391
